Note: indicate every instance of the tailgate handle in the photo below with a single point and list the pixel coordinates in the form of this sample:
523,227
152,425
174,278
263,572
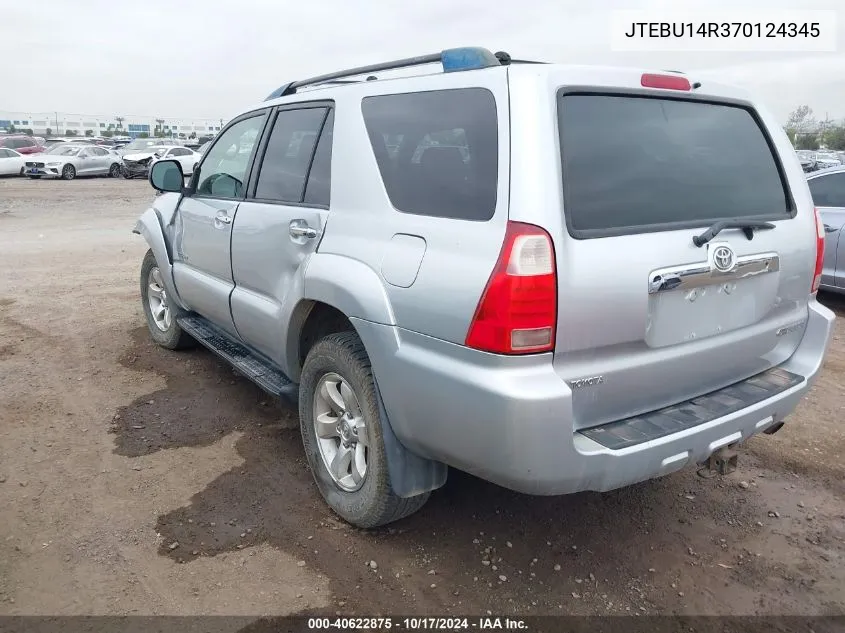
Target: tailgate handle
659,283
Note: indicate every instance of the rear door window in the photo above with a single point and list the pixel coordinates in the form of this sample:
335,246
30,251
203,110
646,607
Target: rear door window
437,151
289,153
635,164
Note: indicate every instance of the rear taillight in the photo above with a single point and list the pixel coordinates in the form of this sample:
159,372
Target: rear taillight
518,311
817,274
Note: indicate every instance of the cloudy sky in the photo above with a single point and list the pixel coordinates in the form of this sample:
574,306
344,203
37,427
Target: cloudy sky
193,58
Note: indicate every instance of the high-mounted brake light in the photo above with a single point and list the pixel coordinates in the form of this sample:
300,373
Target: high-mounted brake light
517,312
666,82
817,274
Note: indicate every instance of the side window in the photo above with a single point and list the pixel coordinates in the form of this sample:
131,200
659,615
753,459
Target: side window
437,151
318,189
179,151
288,155
828,191
4,153
21,142
98,151
223,171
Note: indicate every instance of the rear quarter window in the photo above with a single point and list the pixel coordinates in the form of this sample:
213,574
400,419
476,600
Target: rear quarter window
437,151
636,164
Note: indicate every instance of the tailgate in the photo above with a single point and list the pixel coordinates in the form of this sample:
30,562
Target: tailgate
647,318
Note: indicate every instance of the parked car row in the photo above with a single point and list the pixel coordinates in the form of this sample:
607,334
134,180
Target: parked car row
67,160
822,159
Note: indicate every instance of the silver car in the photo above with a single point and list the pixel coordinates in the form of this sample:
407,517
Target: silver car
828,190
553,277
69,160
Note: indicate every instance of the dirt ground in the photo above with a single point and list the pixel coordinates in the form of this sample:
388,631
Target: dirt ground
141,481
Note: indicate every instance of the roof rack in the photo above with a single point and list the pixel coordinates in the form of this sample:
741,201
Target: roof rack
452,60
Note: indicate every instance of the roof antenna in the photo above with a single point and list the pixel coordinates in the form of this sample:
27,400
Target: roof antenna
503,57
696,85
372,78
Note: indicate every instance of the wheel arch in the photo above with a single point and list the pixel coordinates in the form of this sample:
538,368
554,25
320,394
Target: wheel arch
149,227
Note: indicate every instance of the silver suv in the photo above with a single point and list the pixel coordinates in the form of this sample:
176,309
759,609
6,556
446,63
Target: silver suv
555,278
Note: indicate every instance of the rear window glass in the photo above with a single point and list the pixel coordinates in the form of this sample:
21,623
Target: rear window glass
437,151
630,163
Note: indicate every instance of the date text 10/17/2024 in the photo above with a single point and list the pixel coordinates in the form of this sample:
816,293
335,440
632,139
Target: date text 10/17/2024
419,623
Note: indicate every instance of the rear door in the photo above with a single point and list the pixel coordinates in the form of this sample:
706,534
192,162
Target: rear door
100,159
280,224
202,267
828,190
646,318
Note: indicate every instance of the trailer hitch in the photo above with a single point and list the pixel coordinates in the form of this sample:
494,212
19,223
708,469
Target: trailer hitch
722,462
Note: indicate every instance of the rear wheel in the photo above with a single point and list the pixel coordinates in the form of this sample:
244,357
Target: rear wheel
342,434
68,172
159,309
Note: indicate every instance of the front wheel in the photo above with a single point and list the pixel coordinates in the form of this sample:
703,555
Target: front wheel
342,434
68,172
161,311
114,170
125,172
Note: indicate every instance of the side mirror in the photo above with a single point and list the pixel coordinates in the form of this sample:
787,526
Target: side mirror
166,175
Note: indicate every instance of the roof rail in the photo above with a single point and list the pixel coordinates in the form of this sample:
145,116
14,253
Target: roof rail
452,60
506,60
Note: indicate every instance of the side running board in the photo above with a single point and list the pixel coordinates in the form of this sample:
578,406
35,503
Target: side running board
259,370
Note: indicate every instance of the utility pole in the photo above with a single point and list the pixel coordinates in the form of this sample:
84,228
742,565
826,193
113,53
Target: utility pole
58,131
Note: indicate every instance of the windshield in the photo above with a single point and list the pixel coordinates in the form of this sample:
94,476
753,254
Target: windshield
64,150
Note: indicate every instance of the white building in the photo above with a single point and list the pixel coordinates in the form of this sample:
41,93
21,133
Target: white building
64,124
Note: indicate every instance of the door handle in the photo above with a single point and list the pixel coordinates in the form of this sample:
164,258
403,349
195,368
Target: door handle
299,228
830,229
221,220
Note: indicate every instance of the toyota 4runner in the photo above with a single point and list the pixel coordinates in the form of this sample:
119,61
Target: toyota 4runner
556,278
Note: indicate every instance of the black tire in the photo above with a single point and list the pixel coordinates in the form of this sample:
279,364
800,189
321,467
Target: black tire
125,173
114,170
174,337
68,172
375,503
20,173
35,177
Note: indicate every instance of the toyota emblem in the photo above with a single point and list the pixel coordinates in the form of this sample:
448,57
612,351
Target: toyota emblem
723,259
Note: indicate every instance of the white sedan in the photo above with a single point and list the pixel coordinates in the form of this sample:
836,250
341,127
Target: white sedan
11,163
186,157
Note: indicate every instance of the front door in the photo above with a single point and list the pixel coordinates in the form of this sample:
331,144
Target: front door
202,269
828,192
280,224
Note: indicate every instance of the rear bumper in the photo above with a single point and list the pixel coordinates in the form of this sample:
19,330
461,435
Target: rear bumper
509,420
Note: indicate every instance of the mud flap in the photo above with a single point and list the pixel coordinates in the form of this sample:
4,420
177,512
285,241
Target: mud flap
410,474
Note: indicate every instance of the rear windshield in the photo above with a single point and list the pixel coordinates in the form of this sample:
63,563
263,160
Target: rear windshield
631,164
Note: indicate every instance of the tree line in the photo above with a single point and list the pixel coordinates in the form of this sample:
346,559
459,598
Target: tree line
807,132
